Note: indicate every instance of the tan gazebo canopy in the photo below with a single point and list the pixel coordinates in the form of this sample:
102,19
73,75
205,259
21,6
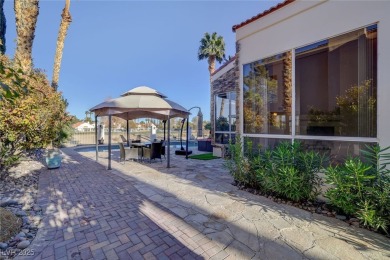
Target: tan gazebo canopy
139,102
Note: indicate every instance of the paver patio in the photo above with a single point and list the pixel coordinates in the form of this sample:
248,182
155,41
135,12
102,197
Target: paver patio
189,211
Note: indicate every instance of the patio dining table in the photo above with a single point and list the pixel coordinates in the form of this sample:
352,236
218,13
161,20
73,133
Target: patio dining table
140,147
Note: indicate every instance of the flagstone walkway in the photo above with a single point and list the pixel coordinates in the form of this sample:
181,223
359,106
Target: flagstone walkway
189,211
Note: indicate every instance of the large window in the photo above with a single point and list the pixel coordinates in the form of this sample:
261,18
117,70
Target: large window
225,117
334,106
335,83
267,95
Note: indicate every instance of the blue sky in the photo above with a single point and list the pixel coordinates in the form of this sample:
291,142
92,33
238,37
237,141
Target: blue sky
114,46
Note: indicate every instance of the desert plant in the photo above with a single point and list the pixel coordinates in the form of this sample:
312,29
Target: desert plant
350,182
290,171
237,164
361,187
287,170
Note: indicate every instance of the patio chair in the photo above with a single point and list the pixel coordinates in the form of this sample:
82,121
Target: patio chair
129,153
154,152
124,140
163,148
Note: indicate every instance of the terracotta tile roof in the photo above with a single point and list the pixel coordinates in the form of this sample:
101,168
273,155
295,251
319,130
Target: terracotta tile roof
254,18
224,65
75,125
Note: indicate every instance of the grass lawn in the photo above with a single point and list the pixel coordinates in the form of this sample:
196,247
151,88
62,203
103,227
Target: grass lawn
204,156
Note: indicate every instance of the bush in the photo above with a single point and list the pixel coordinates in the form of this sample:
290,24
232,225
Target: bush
290,171
237,164
32,113
363,188
287,170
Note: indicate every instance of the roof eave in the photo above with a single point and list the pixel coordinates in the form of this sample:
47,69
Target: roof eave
261,15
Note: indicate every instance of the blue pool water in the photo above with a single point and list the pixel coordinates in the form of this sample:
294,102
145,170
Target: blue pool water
104,147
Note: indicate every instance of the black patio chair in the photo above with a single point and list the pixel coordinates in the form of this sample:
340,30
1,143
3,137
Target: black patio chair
154,152
163,148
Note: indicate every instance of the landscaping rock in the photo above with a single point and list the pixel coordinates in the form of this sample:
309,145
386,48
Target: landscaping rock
3,246
21,213
37,208
8,202
355,223
24,244
21,234
341,217
18,194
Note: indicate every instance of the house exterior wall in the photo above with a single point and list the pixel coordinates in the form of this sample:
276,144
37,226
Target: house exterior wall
304,22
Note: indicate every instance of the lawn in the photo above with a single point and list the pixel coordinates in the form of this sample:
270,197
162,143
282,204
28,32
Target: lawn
204,156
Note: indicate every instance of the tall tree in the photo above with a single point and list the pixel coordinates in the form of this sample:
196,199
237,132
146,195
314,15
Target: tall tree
212,48
26,15
65,22
3,27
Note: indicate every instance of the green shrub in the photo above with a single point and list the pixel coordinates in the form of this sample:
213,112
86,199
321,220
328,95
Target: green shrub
32,113
363,188
290,171
237,164
287,170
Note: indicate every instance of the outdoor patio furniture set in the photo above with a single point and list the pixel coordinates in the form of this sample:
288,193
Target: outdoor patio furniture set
142,150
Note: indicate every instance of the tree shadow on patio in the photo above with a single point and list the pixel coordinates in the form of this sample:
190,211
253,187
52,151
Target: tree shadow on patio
86,203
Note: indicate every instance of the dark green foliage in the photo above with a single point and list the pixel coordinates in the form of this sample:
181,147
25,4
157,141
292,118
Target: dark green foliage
287,171
290,171
363,188
212,46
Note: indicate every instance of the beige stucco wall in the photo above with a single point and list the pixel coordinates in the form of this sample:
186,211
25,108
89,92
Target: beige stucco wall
304,22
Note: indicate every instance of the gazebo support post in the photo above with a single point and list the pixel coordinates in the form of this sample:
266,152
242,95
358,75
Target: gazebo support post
164,121
188,119
169,143
127,132
109,142
96,139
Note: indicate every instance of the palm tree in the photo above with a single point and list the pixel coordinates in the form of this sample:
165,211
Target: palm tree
3,27
65,22
26,16
212,48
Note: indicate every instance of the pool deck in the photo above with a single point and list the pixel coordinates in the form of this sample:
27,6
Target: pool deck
188,211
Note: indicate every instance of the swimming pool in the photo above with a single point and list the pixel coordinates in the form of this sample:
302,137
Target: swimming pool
104,147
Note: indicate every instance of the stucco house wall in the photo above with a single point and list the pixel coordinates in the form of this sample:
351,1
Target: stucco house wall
301,23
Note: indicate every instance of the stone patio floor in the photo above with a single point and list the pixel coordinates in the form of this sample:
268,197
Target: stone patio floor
189,211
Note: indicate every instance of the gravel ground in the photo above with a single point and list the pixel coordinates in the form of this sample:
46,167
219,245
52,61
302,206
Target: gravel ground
18,192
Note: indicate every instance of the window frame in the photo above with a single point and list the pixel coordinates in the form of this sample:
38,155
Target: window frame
230,132
293,136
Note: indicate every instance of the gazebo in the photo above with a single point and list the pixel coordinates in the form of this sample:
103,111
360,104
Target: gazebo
139,102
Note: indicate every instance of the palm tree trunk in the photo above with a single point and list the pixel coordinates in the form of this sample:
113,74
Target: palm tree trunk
211,61
3,27
26,16
287,93
65,22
